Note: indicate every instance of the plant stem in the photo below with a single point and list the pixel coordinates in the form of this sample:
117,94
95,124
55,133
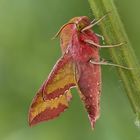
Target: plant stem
114,33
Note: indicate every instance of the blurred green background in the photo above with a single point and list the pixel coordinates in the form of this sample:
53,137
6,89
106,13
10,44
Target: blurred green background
27,54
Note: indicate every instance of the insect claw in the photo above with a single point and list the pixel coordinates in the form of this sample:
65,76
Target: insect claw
125,42
101,36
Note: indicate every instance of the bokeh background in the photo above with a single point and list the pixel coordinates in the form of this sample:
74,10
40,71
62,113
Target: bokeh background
27,54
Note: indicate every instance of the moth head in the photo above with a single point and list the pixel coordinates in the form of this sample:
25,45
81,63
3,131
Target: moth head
80,22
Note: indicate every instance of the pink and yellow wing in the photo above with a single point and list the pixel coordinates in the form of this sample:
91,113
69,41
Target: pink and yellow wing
61,78
57,86
89,86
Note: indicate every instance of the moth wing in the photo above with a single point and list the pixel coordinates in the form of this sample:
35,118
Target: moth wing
61,79
59,83
88,80
41,110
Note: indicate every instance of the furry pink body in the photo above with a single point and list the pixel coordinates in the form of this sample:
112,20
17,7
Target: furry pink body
88,76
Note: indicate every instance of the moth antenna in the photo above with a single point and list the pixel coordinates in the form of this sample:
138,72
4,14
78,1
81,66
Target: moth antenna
93,23
57,34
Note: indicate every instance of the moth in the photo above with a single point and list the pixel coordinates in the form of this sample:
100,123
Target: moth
78,67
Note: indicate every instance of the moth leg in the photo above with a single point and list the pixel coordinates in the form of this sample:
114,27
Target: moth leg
93,44
94,22
103,62
102,37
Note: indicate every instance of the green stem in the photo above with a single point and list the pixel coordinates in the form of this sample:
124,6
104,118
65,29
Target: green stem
114,32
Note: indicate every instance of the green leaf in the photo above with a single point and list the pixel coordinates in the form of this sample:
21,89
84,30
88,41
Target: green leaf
114,33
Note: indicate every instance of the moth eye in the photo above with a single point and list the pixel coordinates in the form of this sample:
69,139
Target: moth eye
80,26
